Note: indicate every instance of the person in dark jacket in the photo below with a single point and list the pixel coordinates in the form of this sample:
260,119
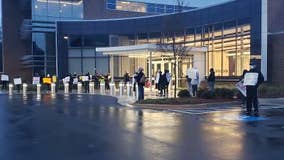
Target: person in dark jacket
253,79
162,84
211,80
140,80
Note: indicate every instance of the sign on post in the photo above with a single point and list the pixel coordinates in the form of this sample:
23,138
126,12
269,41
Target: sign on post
17,81
36,80
4,77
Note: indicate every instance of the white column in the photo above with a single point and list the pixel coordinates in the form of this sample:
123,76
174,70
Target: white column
112,68
25,88
200,64
79,88
11,89
150,70
38,89
53,85
264,37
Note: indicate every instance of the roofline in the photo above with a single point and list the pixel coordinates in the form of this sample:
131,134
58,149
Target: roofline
150,16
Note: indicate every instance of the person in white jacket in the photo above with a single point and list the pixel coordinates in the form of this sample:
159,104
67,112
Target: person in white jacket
193,80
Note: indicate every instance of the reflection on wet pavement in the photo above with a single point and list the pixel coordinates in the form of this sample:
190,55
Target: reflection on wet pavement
94,127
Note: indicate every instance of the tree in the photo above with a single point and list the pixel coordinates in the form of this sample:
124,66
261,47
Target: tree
172,29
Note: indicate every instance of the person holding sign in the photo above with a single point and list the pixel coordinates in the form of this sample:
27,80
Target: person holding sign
252,80
5,81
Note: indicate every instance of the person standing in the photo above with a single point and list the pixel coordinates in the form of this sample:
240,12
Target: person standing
169,78
252,80
162,84
193,75
140,80
126,78
211,80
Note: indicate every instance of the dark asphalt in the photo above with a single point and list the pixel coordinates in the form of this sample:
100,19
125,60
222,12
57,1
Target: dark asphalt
82,127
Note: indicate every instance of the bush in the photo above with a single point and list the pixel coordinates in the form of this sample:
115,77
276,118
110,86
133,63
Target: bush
224,93
183,93
219,93
271,91
207,95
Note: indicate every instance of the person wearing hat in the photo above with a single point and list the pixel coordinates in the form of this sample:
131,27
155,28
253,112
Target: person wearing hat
252,80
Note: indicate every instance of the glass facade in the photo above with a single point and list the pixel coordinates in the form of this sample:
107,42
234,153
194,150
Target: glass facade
131,6
52,10
44,15
82,55
228,43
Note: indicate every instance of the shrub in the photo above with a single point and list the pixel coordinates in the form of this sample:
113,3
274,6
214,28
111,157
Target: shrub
183,93
271,91
207,95
224,93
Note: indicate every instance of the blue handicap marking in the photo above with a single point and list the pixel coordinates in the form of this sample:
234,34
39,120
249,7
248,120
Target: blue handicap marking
243,118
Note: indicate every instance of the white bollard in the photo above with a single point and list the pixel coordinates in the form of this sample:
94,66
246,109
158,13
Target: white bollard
79,88
25,88
92,88
128,85
102,88
121,85
11,89
137,92
38,89
112,90
66,88
53,85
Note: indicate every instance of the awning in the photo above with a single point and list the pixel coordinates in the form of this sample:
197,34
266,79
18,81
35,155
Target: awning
140,50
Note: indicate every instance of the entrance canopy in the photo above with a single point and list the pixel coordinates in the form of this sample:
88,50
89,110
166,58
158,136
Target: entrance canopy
142,50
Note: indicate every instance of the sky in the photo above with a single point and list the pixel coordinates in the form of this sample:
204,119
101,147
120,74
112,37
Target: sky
194,3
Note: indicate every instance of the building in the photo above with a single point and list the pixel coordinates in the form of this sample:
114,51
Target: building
58,37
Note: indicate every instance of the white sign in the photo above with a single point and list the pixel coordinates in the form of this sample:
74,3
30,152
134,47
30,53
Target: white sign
85,78
241,87
250,79
36,80
75,81
192,73
17,81
4,77
66,79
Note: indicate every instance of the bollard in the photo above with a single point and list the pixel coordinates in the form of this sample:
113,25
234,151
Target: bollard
53,85
128,85
121,88
25,88
38,89
92,88
66,88
79,88
112,90
137,92
102,88
11,89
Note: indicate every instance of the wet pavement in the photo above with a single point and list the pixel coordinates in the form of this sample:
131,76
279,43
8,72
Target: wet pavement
88,127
